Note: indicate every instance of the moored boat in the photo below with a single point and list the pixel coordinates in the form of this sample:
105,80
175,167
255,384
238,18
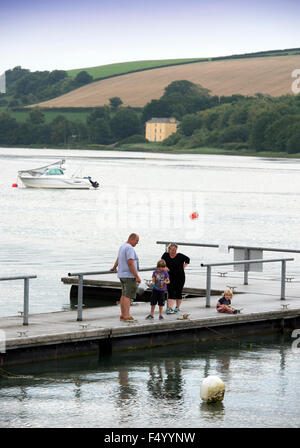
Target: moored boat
54,176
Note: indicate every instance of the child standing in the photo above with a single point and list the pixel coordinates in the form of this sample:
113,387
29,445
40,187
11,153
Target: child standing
224,303
160,280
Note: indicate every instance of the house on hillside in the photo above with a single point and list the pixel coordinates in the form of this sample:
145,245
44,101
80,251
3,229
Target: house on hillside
158,129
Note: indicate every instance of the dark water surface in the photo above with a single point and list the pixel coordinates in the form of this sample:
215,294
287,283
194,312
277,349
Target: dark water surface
160,388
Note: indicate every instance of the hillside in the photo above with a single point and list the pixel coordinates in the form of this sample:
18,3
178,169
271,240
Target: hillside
121,68
267,75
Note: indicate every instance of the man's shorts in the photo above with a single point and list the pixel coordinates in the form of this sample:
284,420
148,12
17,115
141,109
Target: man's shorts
158,297
129,287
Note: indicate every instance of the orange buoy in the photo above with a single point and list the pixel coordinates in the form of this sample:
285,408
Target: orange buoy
194,215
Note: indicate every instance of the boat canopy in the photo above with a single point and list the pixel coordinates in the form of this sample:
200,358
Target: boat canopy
54,171
36,172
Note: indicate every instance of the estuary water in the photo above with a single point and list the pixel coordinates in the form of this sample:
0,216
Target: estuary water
160,389
48,233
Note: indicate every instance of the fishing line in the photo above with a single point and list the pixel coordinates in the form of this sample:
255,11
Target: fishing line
231,339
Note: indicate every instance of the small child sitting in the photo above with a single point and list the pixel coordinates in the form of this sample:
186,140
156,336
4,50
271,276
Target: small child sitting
224,303
160,279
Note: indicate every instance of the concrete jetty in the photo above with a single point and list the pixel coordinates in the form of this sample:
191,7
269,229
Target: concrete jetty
59,335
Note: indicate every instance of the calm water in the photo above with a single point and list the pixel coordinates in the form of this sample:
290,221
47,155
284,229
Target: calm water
50,233
240,200
160,388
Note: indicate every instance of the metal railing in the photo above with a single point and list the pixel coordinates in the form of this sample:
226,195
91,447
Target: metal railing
166,243
247,250
209,266
267,249
26,279
80,276
231,246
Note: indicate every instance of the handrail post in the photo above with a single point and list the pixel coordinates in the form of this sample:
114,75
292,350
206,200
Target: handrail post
26,301
79,297
208,285
246,266
283,275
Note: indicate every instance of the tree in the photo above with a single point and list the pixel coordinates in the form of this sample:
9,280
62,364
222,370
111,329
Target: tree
83,78
258,129
126,122
184,87
293,143
100,132
36,116
9,129
115,102
156,108
190,123
57,75
234,133
98,112
60,130
199,139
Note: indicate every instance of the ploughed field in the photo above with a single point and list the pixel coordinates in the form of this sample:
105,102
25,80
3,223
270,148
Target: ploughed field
267,75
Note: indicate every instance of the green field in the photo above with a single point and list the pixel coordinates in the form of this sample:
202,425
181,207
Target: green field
109,70
22,116
106,71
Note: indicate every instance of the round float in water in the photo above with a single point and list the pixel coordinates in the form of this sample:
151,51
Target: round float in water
212,389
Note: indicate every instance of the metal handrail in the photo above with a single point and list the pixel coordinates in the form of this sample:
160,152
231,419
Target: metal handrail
245,262
80,276
231,246
26,279
246,249
267,249
187,244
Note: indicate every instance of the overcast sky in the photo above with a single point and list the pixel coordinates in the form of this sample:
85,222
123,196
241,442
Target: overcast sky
66,34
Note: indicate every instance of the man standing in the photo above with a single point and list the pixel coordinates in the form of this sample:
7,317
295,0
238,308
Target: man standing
127,263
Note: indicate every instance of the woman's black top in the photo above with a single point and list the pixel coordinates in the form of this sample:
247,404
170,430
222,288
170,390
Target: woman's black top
175,265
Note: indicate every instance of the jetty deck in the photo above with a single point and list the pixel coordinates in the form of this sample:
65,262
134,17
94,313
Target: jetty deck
59,335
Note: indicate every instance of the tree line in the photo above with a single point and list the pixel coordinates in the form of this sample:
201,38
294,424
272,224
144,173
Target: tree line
24,87
101,126
259,122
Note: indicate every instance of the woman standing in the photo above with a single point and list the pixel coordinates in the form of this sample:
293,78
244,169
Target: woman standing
176,263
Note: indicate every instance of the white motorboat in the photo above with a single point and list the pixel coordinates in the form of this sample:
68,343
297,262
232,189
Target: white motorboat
54,176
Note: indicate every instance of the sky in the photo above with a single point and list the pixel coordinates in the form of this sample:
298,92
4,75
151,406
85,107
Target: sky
67,34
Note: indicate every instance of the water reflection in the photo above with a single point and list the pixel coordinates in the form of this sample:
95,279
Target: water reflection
214,411
77,390
165,380
126,391
159,387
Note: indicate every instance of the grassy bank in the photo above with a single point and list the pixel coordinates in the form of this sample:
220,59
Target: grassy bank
155,147
160,149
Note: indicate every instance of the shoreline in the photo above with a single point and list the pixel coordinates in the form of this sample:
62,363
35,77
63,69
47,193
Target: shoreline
154,148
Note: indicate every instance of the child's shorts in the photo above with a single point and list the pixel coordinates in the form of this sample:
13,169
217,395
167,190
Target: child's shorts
158,297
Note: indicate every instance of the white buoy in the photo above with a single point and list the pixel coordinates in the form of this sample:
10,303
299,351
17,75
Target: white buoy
212,389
